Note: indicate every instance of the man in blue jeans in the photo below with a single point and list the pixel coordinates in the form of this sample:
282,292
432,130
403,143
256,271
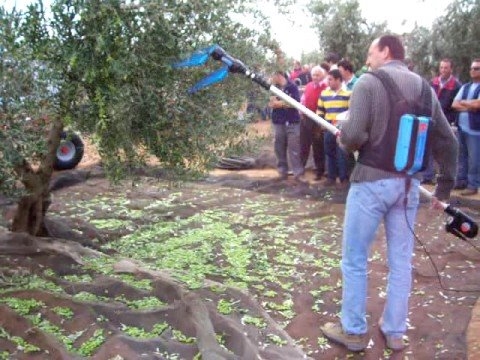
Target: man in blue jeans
377,195
467,103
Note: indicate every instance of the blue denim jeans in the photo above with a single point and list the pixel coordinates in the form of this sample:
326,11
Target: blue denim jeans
468,160
336,158
368,203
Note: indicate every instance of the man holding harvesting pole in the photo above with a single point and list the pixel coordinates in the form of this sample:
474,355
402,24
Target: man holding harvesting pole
378,192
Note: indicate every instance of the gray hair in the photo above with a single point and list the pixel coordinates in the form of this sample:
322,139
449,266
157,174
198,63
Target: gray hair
317,68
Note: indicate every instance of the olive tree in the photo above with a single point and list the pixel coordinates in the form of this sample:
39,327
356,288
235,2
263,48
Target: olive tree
419,48
109,74
455,35
27,148
343,30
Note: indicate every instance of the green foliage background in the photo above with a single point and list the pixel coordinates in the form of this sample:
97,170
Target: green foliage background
454,35
342,28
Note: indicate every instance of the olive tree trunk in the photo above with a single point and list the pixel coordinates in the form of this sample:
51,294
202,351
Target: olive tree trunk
33,206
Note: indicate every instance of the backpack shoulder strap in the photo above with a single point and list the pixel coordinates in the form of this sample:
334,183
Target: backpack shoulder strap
393,91
396,95
426,99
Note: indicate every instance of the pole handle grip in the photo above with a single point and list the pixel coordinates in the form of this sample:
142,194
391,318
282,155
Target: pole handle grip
460,224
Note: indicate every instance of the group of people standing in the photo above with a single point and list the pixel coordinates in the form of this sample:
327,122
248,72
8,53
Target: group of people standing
326,90
327,93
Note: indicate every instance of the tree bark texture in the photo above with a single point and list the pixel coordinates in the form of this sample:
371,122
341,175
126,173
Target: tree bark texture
33,206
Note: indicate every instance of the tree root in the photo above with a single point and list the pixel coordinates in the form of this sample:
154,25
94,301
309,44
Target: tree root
12,243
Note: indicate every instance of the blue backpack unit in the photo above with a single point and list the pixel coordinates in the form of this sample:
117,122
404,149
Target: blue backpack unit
405,146
411,143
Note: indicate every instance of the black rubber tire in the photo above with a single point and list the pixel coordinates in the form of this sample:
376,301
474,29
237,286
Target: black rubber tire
69,152
236,163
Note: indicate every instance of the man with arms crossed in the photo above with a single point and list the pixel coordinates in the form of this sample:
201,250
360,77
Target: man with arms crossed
467,103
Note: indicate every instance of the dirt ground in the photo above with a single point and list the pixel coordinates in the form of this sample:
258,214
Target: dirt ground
160,267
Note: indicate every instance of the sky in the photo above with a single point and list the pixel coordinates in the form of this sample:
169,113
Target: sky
401,17
296,36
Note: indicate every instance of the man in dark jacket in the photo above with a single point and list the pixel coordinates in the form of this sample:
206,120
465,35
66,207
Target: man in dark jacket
286,124
446,86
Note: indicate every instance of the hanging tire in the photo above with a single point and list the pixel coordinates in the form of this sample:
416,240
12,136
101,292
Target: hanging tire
69,152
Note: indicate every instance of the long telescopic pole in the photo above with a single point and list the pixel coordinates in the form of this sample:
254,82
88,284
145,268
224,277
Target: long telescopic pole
237,66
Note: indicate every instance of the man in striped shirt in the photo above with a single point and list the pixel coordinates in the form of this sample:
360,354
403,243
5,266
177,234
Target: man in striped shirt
333,101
